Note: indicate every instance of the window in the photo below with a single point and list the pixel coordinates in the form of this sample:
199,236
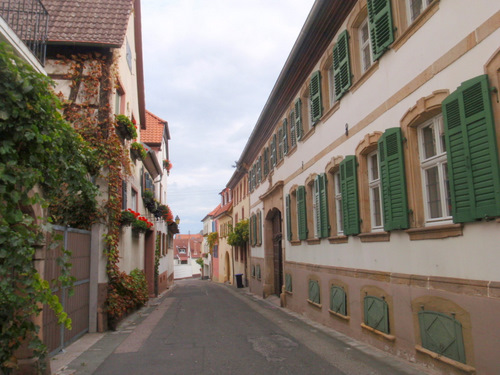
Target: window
291,216
331,85
257,271
133,200
280,144
365,46
124,195
375,191
119,100
433,162
338,300
338,204
415,8
299,126
285,136
266,161
274,152
376,311
442,334
314,292
182,251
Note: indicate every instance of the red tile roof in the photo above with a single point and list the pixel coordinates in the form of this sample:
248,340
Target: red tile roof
155,127
223,209
102,22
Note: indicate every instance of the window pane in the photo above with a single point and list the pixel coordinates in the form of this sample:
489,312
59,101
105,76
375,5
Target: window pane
429,145
415,9
373,167
447,189
377,218
433,195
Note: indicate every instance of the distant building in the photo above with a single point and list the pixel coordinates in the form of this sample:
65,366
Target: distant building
187,249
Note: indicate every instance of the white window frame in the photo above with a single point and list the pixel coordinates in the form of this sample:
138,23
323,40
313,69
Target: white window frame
338,204
331,85
409,7
439,160
375,189
364,44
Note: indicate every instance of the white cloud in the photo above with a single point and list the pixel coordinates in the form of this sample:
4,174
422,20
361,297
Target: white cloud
210,67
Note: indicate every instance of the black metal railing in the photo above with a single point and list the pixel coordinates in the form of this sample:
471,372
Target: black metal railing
30,21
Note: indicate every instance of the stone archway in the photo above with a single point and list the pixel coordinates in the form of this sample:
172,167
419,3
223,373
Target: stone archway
274,251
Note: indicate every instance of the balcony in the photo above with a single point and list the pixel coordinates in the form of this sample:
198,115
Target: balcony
29,20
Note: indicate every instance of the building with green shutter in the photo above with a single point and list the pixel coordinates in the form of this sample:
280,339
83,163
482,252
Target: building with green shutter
373,173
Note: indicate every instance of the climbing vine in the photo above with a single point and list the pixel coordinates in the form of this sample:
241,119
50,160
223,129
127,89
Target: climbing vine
43,162
92,77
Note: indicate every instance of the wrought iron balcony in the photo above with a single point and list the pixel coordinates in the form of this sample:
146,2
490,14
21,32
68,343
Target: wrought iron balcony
30,20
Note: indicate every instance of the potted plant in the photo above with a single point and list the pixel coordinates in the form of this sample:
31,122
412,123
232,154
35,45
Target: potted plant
137,151
148,200
141,225
125,127
167,165
128,217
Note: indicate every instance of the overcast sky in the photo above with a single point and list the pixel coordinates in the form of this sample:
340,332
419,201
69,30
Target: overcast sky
210,66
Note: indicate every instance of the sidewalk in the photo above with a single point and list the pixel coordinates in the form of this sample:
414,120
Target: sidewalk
86,354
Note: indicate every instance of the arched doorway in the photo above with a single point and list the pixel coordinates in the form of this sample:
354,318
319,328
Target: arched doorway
277,251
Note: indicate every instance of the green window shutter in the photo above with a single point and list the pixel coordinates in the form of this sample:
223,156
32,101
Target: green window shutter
288,283
315,96
473,167
253,227
392,176
280,143
301,212
349,191
323,207
259,169
380,24
293,135
266,161
314,293
259,228
298,119
341,65
274,154
288,218
317,211
376,313
258,271
285,136
338,300
442,334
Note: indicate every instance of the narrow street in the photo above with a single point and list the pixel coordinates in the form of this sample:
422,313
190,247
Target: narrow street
205,328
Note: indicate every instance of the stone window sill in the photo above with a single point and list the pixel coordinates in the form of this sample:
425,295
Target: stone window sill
386,336
374,237
344,317
313,241
296,242
435,232
338,239
318,305
459,365
289,293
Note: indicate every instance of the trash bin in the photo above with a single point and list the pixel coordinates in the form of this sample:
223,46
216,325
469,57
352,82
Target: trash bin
239,280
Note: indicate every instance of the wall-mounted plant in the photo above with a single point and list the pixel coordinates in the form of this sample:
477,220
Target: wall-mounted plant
167,165
125,127
141,225
149,200
137,151
128,217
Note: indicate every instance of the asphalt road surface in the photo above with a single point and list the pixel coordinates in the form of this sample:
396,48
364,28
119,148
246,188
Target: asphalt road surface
206,328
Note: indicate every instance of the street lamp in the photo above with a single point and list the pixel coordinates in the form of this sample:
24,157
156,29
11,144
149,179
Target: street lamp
177,220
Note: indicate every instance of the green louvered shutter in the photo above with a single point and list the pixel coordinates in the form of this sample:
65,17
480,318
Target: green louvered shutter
338,300
293,134
266,161
349,190
124,195
380,24
314,295
285,136
301,212
259,228
288,283
376,313
341,65
392,176
274,154
254,229
280,143
473,167
259,170
315,96
298,119
442,334
317,210
288,218
323,206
